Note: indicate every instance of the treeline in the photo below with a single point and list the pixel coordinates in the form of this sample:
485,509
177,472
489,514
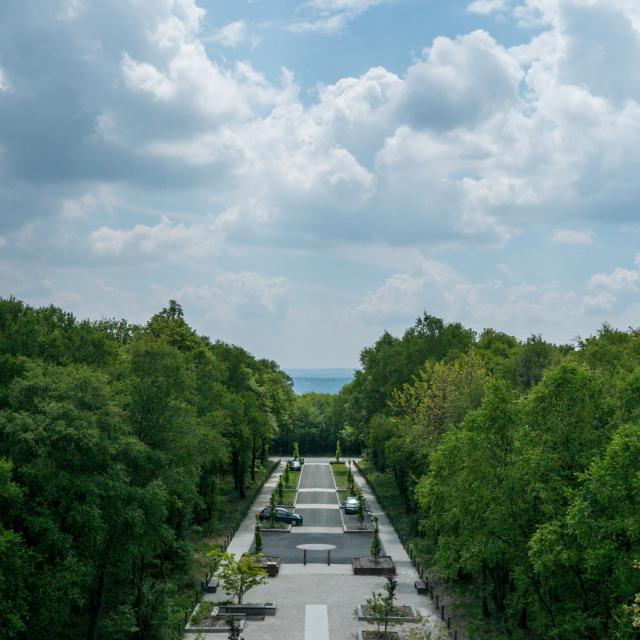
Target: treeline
114,439
521,463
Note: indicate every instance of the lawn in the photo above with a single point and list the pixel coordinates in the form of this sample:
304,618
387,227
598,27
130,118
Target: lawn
289,497
340,474
294,478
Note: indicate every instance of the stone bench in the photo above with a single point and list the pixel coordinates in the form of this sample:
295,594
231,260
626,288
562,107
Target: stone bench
421,587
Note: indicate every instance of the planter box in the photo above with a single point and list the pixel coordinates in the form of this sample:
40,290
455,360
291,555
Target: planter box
355,528
215,623
411,614
372,634
253,611
365,566
271,564
286,529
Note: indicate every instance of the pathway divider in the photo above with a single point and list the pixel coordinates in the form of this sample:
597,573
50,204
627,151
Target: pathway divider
419,567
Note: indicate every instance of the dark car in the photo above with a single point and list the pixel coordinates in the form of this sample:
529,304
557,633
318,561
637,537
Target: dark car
284,515
295,465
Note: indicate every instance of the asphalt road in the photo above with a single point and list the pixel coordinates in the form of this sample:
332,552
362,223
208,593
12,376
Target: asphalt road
320,517
317,497
316,476
348,546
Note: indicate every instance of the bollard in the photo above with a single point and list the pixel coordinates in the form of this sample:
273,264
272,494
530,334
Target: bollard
431,592
442,613
455,635
448,622
437,602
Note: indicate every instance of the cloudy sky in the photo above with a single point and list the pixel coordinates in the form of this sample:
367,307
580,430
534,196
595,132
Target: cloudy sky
303,174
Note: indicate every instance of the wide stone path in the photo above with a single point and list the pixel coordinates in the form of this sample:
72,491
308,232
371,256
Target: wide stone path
317,597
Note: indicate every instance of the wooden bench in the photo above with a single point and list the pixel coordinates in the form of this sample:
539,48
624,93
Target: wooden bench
421,587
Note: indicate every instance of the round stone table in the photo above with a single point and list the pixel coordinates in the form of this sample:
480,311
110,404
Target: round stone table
316,547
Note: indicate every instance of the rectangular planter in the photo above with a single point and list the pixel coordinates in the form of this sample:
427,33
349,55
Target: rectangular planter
384,567
397,620
251,610
224,629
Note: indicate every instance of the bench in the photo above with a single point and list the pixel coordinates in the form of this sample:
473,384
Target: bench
212,585
421,587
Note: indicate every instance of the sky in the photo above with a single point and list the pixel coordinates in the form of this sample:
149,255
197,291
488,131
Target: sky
302,175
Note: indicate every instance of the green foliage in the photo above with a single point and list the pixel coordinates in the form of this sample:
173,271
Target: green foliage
376,546
338,451
287,475
239,576
113,440
258,542
381,605
280,490
514,467
296,451
360,512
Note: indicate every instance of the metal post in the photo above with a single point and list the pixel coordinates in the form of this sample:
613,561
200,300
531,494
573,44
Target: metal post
448,622
304,551
455,635
442,613
329,557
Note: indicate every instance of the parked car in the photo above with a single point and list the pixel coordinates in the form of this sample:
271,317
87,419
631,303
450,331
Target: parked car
351,505
284,515
295,465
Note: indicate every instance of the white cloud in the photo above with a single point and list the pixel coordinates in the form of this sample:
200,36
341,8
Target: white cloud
231,35
572,236
167,240
620,279
331,16
4,81
232,295
437,287
486,7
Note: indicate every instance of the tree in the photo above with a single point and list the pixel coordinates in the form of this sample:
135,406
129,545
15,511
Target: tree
360,512
376,545
382,607
338,451
272,510
259,544
280,490
296,451
239,576
287,476
234,630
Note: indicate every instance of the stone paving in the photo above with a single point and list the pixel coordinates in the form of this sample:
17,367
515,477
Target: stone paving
298,588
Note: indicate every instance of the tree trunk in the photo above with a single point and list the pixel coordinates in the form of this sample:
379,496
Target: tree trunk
96,607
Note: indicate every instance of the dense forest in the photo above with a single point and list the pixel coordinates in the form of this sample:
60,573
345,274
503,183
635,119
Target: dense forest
116,443
515,466
518,466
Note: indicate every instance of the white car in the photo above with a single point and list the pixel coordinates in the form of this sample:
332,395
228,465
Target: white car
351,505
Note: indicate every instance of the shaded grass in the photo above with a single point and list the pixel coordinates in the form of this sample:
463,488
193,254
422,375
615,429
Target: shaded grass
289,497
294,478
340,474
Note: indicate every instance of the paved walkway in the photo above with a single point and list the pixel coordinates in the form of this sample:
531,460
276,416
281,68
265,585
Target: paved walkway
317,596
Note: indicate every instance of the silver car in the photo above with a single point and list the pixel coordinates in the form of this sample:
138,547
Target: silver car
351,505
